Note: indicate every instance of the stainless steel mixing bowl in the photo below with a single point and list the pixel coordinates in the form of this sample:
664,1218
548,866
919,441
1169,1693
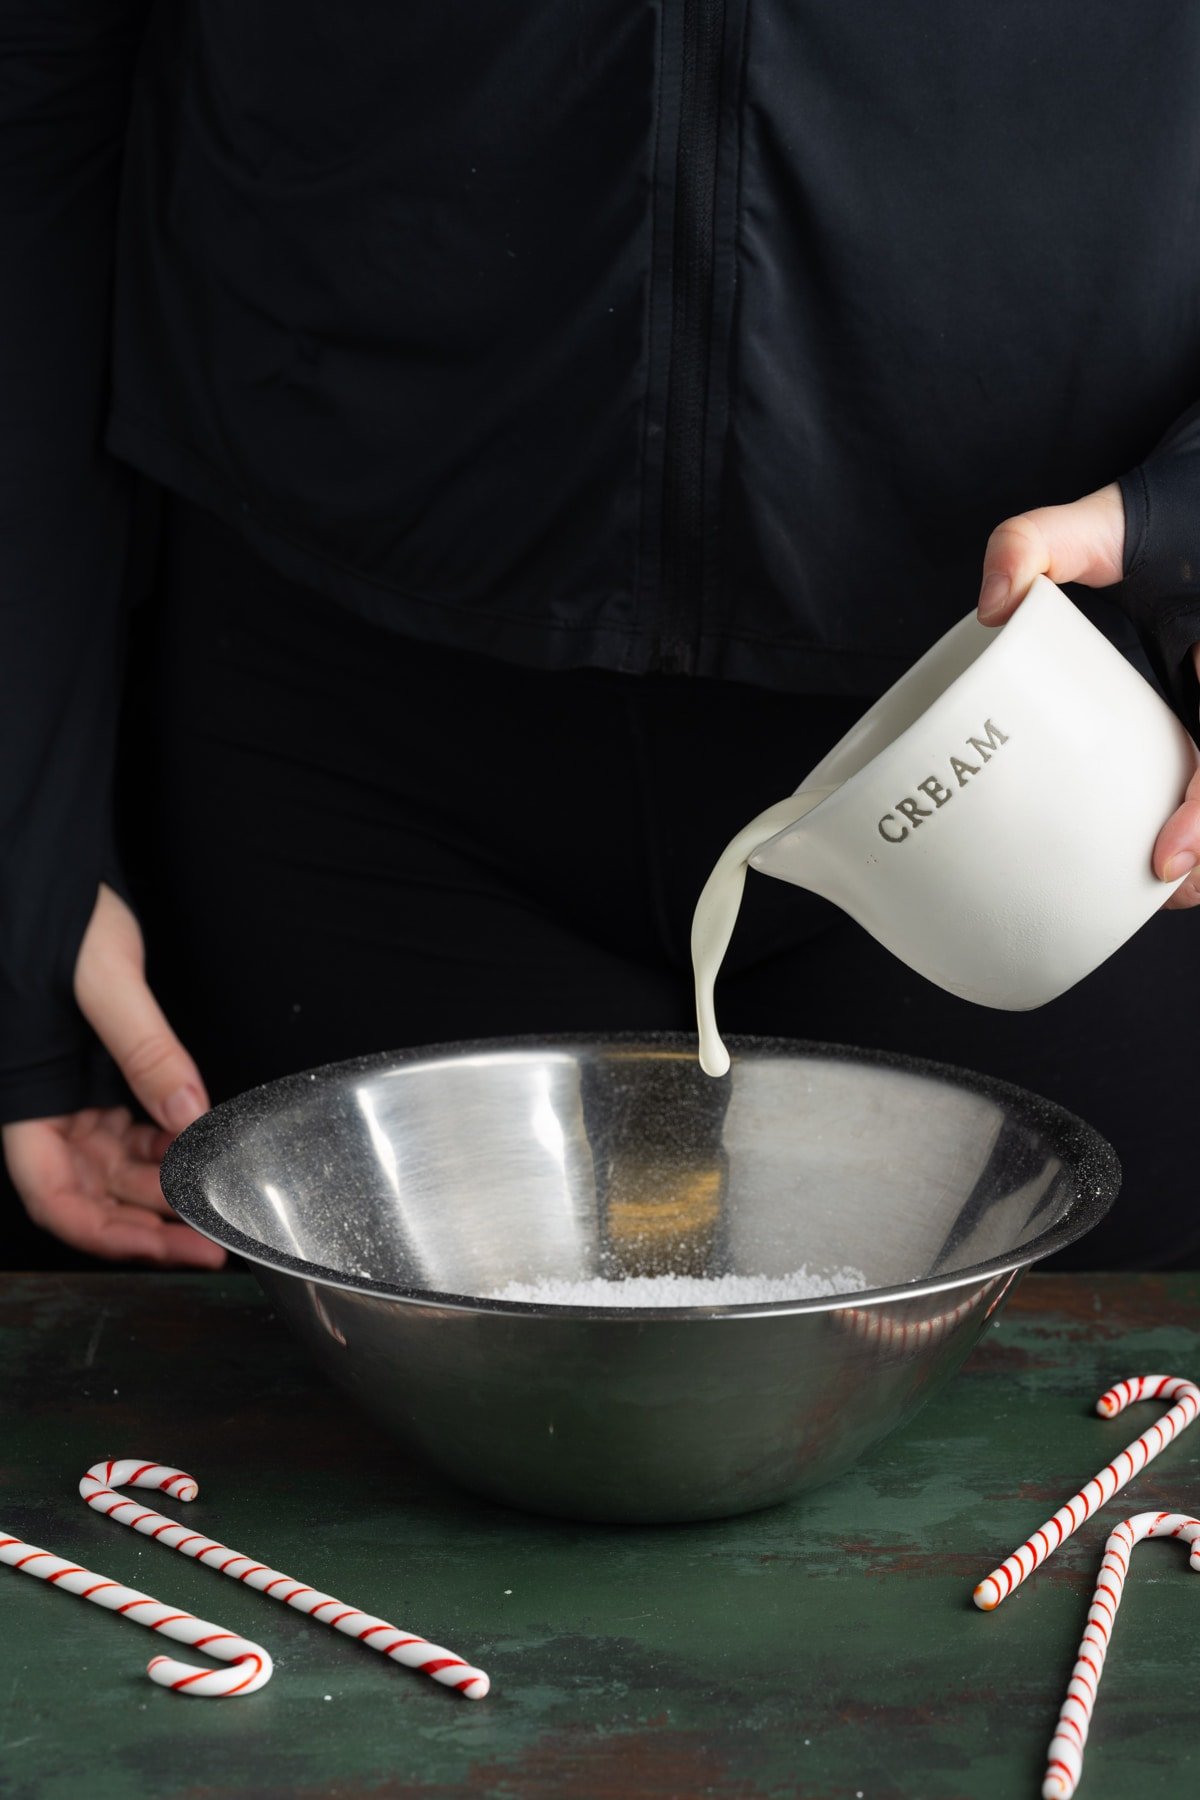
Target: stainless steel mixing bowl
380,1200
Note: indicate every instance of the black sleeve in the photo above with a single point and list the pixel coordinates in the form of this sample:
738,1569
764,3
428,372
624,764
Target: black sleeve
1160,591
66,68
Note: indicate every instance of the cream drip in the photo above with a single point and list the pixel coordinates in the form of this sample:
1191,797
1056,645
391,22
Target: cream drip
717,910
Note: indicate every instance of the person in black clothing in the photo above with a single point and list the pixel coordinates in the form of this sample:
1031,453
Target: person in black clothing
566,421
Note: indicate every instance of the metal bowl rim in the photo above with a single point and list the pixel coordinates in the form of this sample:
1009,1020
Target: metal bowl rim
1070,1137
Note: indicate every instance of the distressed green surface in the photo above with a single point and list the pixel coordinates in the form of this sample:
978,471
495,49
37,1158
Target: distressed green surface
825,1649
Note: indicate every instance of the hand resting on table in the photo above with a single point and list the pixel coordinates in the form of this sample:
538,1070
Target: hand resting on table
91,1177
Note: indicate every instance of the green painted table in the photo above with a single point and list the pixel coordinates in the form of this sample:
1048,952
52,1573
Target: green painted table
827,1648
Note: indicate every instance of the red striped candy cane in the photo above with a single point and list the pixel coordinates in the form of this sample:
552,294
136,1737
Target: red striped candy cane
251,1664
402,1646
1065,1756
1033,1552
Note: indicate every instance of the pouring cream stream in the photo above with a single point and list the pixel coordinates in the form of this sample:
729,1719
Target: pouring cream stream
717,910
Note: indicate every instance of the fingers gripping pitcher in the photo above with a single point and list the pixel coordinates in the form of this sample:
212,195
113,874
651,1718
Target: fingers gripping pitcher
990,820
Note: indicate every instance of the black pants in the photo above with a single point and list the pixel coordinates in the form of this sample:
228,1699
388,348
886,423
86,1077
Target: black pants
345,841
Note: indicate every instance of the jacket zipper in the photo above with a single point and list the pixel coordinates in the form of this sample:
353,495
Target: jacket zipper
683,517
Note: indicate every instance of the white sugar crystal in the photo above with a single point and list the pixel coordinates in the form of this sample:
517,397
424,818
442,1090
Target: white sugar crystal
684,1290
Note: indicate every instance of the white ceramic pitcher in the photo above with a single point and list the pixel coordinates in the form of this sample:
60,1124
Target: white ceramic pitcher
990,819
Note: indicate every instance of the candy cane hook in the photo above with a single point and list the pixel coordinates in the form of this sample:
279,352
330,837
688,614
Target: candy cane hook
1033,1552
1065,1756
251,1664
403,1647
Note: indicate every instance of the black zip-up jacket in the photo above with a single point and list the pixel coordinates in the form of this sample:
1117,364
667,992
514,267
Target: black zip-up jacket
709,336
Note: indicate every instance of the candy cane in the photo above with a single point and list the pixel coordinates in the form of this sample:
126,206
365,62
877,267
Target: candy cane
1065,1756
404,1647
1033,1552
251,1664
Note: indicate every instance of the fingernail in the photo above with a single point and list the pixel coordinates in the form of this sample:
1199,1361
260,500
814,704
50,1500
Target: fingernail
1181,864
992,596
182,1108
